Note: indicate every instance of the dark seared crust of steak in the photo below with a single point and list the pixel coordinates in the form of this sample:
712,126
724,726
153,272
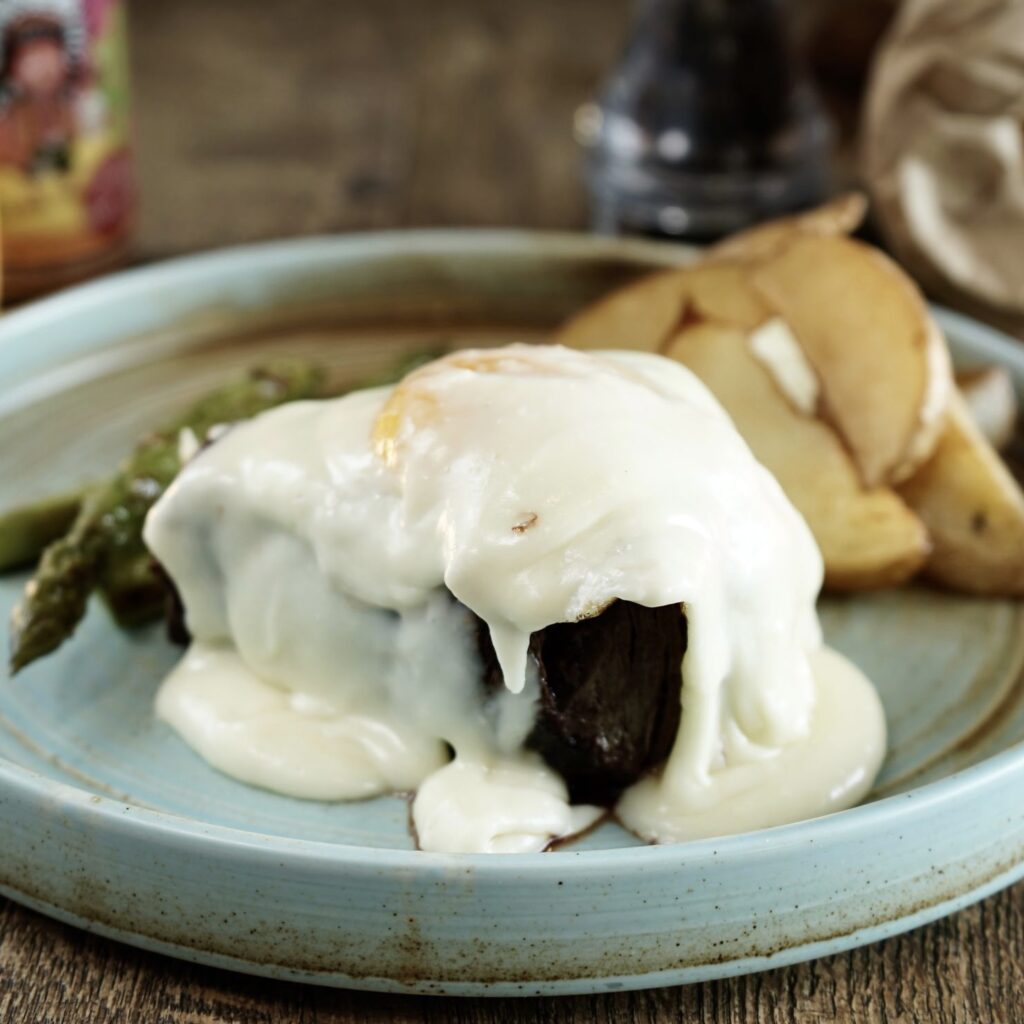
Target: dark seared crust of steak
610,688
174,610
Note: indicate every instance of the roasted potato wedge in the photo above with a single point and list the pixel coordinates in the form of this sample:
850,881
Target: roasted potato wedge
842,216
864,327
641,315
646,314
973,509
868,537
722,293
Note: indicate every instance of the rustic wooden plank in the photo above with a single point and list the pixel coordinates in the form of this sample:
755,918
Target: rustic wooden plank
292,117
289,118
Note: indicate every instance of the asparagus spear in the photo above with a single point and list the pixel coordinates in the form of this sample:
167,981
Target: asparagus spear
104,548
131,590
25,531
108,526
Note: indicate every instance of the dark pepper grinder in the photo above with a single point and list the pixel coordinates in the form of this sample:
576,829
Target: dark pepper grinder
708,123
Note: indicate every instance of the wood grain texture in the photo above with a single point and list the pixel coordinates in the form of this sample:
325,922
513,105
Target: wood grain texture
305,116
286,117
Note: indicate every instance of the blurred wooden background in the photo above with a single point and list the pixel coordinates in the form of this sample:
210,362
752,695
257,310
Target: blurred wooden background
268,118
287,117
275,118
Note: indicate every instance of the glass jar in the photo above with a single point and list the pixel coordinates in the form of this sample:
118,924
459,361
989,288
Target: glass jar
67,192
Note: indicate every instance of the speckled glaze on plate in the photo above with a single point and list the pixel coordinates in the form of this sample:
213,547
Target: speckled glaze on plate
109,822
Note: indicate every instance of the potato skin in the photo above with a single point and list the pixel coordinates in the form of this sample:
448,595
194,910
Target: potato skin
973,509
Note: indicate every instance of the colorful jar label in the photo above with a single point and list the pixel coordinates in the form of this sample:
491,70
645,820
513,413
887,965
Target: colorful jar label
66,183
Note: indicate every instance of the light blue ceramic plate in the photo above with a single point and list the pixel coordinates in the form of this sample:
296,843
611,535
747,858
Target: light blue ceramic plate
109,822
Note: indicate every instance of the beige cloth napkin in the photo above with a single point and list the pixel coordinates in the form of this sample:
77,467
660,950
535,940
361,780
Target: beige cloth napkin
943,150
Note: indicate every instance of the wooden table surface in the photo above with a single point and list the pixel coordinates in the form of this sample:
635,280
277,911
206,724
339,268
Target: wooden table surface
285,117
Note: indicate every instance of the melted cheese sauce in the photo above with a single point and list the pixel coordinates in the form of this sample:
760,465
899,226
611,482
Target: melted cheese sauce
310,546
753,787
